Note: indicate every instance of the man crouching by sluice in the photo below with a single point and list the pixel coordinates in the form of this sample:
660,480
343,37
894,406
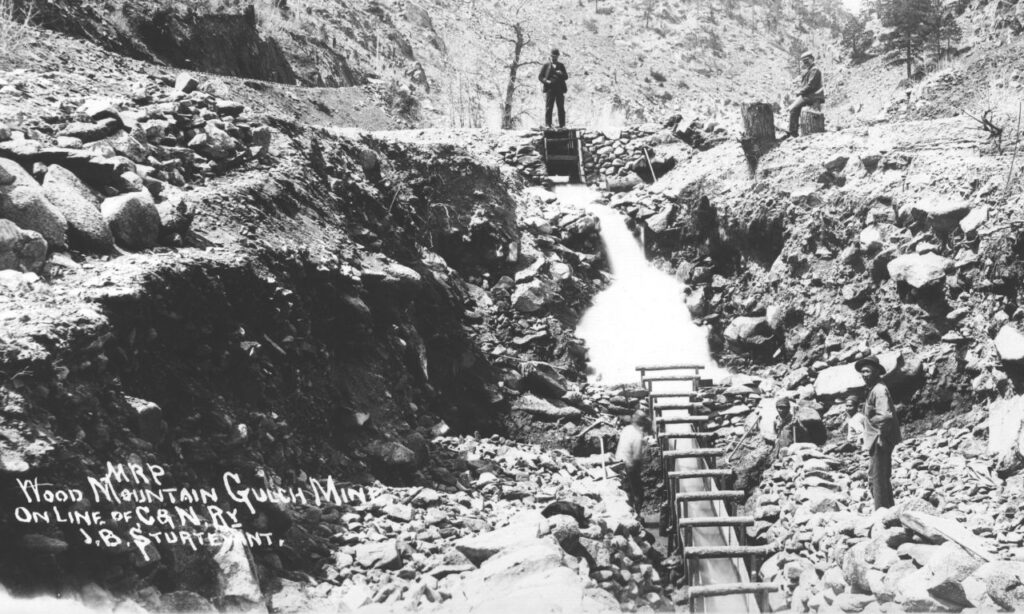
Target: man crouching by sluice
631,452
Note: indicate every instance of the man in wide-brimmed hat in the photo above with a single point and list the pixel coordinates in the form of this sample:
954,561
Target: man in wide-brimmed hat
881,430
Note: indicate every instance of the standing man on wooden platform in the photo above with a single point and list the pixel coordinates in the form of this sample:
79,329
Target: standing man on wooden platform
554,76
881,430
811,92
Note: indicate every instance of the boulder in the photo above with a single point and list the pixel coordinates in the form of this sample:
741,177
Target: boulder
87,165
87,230
543,409
479,548
133,219
528,578
919,270
389,280
912,595
1010,344
99,108
856,567
841,379
949,566
749,331
941,212
150,423
999,584
185,83
938,530
176,214
379,555
541,378
623,184
23,202
214,143
662,221
565,529
871,240
1006,425
393,455
533,295
87,131
21,250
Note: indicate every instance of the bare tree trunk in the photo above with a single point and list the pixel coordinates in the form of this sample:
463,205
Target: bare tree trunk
758,130
507,120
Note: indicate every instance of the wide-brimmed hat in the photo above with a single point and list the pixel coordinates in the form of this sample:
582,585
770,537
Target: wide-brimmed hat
806,55
870,360
554,52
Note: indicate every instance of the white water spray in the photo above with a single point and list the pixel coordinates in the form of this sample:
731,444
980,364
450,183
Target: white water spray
641,318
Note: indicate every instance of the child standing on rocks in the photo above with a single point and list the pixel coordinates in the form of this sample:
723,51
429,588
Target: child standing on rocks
855,420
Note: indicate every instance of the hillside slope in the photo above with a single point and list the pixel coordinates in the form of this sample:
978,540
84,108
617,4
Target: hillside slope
446,62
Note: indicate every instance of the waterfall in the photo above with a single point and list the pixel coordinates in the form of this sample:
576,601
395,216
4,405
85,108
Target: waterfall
641,318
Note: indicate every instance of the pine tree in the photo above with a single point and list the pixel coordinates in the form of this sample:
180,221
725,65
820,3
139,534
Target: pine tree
856,39
912,26
947,32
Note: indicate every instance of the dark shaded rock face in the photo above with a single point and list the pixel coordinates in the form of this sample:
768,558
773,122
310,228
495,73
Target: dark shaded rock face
224,44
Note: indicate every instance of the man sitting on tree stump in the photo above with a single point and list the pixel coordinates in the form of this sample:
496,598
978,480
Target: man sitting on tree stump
811,92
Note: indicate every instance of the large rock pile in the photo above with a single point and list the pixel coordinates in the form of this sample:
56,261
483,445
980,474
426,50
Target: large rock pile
515,519
952,541
108,171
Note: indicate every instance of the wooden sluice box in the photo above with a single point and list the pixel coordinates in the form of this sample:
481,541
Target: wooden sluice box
563,154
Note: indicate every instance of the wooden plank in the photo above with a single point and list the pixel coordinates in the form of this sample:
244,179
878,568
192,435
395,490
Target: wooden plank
693,453
684,420
728,552
712,495
686,435
716,521
731,588
669,367
699,473
686,406
671,378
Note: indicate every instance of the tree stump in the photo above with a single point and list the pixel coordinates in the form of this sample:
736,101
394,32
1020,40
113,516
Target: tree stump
758,130
812,120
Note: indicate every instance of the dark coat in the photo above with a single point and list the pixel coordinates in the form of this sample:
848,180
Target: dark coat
881,424
811,86
558,75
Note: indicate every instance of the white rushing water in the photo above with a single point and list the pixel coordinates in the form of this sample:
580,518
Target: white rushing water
642,319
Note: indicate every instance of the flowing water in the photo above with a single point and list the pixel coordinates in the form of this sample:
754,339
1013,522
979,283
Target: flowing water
641,319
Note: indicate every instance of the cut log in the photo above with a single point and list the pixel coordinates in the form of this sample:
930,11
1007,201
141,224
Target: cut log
758,122
812,120
758,130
